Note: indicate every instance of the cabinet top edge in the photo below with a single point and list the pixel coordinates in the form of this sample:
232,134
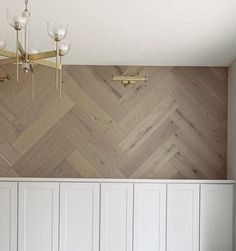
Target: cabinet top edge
104,180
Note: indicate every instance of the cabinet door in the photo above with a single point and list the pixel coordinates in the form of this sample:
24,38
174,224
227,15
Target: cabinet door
8,216
38,216
79,217
116,217
149,217
216,218
183,217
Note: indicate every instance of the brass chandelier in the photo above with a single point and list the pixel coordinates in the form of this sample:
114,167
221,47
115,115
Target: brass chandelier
28,58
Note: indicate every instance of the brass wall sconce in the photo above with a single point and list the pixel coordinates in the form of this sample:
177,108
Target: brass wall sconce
4,77
127,80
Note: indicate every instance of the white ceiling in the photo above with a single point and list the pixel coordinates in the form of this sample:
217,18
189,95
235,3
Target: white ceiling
135,32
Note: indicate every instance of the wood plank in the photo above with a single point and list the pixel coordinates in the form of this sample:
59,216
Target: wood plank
40,154
95,155
147,103
39,127
6,170
155,161
200,118
191,83
190,134
92,112
8,153
155,75
82,165
145,128
156,141
96,91
37,109
173,126
96,136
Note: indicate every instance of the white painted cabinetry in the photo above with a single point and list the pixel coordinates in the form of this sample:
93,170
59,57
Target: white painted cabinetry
216,218
79,217
116,217
183,217
8,216
38,216
97,215
149,217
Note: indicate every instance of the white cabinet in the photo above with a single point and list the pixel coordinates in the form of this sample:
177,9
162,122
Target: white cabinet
149,217
8,216
183,217
38,216
116,217
119,215
79,217
216,218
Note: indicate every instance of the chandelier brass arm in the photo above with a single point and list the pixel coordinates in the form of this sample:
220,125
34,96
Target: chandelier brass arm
36,56
39,58
6,61
8,54
48,64
42,55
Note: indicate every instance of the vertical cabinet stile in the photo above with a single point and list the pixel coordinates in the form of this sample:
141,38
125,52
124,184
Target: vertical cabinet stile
116,217
38,216
183,217
79,216
149,217
217,217
8,216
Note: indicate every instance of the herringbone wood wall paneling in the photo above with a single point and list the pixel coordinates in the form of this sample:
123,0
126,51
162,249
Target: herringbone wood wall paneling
173,126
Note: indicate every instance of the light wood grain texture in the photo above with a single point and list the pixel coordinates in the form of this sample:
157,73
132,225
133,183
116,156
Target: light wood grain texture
173,126
38,128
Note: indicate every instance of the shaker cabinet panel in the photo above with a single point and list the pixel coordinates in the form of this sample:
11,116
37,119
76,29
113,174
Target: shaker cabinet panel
116,217
183,217
79,217
38,216
8,216
217,217
149,217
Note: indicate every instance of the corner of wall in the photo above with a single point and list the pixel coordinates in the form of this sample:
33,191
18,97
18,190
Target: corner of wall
231,144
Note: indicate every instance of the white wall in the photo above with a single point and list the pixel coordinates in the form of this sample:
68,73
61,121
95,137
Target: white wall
134,32
231,151
232,122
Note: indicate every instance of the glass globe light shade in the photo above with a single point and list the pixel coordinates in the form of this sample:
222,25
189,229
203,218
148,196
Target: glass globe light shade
57,31
63,49
2,44
17,19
